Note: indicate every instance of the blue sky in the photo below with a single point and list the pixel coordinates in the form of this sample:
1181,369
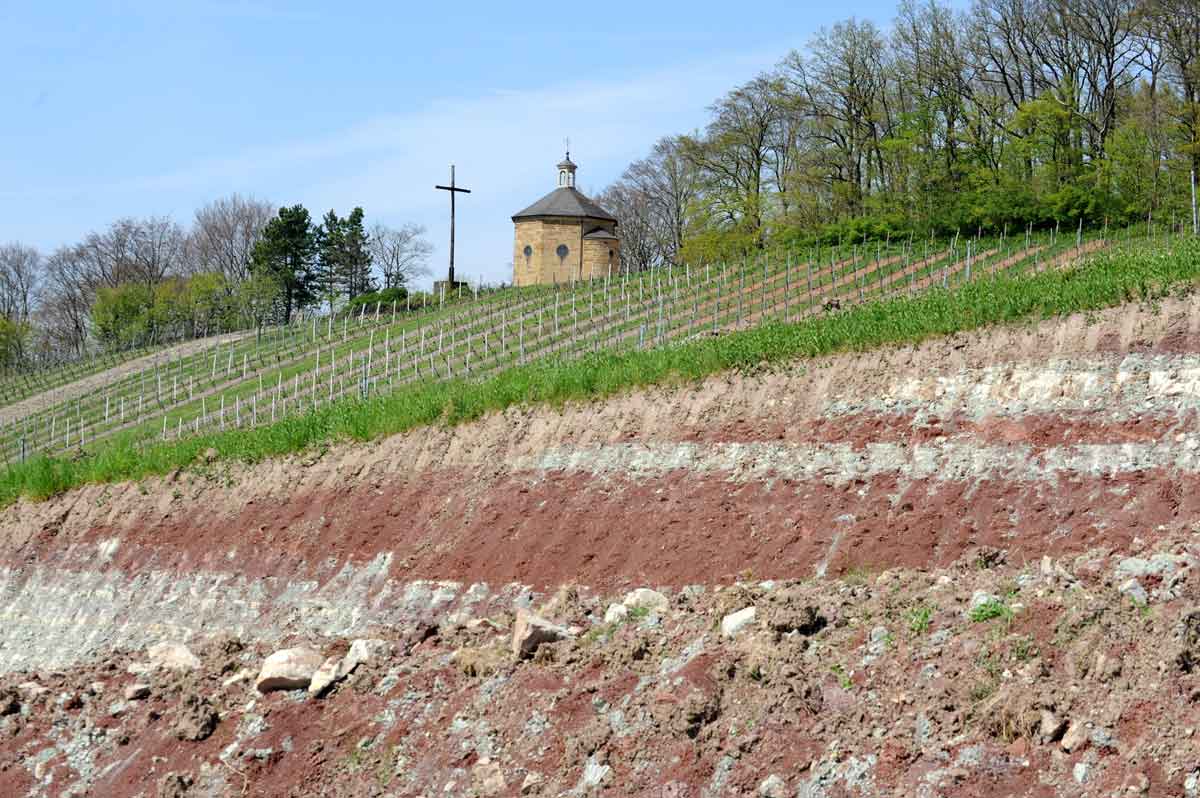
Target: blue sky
149,108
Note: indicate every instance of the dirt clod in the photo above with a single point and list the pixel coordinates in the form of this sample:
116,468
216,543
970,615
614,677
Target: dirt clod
196,718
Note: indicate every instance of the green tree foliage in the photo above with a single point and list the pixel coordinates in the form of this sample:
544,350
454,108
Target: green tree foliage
384,299
331,241
208,302
356,260
1006,114
344,258
134,314
257,297
14,340
286,255
123,315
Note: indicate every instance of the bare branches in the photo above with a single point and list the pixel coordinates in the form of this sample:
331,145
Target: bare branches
134,251
401,253
20,281
224,234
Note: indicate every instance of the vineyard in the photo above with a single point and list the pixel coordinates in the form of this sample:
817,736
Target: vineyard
245,380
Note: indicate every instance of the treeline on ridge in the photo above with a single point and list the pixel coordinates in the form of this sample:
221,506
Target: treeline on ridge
1009,114
241,263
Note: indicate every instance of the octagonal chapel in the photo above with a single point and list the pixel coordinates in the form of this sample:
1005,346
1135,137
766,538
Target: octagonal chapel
564,236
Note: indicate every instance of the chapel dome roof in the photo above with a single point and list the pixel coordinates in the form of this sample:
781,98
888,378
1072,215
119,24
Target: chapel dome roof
565,201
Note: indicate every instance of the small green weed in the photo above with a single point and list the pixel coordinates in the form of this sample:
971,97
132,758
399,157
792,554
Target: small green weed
920,618
842,677
1023,649
857,575
991,665
596,633
989,610
982,691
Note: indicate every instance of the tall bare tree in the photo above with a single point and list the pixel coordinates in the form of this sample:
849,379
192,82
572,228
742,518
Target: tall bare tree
223,236
20,281
134,251
667,185
733,154
401,253
1176,27
637,224
841,84
64,314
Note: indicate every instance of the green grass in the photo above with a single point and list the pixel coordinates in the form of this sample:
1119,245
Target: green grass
660,306
1145,273
843,678
920,618
990,610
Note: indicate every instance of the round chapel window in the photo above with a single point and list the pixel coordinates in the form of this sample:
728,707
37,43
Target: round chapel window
562,251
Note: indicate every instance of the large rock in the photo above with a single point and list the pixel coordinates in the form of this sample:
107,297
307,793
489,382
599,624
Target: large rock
325,676
1132,589
289,669
645,598
1051,727
487,777
175,785
616,613
595,773
981,598
173,657
364,651
1075,738
773,787
734,622
531,631
1161,565
137,691
333,670
32,689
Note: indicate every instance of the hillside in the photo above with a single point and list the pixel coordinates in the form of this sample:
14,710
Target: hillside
971,563
249,380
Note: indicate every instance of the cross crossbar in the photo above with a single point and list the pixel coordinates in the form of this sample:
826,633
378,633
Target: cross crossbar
453,189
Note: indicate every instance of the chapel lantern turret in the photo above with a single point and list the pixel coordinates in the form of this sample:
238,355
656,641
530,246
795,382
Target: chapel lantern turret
564,236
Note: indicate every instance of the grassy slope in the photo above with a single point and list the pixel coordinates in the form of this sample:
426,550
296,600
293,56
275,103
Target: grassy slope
1109,279
744,293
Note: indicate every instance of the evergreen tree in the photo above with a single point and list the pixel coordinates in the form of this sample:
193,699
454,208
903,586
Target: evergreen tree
344,260
331,244
286,254
356,256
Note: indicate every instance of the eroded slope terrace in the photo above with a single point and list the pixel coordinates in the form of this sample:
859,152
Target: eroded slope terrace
971,563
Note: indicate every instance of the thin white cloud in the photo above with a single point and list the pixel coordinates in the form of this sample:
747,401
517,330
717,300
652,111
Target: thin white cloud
504,144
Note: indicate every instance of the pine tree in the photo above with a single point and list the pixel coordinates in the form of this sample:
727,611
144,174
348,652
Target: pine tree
331,239
344,260
286,254
356,256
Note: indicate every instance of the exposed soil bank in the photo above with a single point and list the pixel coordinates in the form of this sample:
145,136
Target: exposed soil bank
990,678
1064,438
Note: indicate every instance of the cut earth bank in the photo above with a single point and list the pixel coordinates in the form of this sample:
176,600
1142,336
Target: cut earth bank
961,568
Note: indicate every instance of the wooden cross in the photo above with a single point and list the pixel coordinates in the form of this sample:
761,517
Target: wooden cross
453,189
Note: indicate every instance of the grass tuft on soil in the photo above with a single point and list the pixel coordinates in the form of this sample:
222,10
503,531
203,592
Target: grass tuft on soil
1144,273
